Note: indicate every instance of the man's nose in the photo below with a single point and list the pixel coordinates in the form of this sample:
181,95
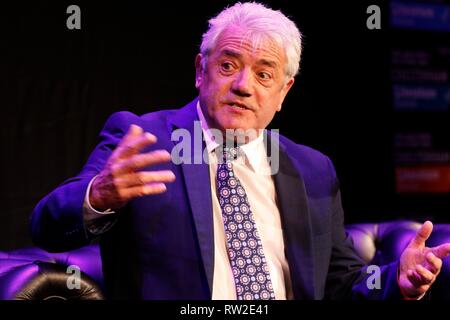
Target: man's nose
242,84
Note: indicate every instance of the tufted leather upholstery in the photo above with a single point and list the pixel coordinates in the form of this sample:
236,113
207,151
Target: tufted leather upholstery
382,243
37,275
34,274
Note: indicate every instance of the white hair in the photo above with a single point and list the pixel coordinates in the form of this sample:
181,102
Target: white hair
261,23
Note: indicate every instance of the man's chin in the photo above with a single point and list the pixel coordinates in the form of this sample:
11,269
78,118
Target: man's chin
238,128
242,134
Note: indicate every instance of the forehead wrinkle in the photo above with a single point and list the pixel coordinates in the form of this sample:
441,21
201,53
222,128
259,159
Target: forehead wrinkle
267,63
232,45
262,61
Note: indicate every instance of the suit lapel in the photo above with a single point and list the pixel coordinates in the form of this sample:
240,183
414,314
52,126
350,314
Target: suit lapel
293,205
198,187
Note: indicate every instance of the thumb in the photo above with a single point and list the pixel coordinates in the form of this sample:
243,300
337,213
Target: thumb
422,235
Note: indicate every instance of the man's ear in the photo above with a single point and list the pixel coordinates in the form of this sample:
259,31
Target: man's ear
198,70
285,90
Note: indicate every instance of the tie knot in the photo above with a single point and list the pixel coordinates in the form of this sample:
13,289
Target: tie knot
230,153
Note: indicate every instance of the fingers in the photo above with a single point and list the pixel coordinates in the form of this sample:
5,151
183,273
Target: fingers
140,161
140,191
420,277
144,177
414,278
434,264
426,276
133,142
422,235
142,184
441,251
122,180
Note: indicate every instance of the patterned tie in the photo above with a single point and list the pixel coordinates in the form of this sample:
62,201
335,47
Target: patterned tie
248,263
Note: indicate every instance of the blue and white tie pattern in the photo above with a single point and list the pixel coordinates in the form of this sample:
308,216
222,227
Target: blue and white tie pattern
245,251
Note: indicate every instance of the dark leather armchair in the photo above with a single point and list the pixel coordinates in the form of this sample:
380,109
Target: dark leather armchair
34,274
37,275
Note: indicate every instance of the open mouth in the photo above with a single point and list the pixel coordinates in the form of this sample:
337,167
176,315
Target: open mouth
238,105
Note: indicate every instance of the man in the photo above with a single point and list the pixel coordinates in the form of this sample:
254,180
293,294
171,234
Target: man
224,229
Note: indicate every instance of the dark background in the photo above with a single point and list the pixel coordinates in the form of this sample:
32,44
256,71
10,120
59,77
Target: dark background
58,86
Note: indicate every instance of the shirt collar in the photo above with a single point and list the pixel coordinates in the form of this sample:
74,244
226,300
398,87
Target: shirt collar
254,151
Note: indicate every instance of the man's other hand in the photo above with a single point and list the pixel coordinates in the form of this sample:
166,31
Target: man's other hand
420,265
121,179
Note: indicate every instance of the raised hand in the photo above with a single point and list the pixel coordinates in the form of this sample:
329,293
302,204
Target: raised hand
420,265
121,179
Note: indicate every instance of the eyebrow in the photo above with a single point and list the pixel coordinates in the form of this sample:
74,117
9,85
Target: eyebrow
234,54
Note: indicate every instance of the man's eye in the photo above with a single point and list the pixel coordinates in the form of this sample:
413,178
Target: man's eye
226,66
265,75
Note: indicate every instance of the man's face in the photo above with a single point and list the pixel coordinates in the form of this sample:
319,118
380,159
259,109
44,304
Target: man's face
242,87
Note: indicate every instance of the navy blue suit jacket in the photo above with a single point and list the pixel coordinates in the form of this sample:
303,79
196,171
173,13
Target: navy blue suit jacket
161,246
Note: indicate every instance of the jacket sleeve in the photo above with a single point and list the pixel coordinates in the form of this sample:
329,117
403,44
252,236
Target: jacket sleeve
57,222
348,277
